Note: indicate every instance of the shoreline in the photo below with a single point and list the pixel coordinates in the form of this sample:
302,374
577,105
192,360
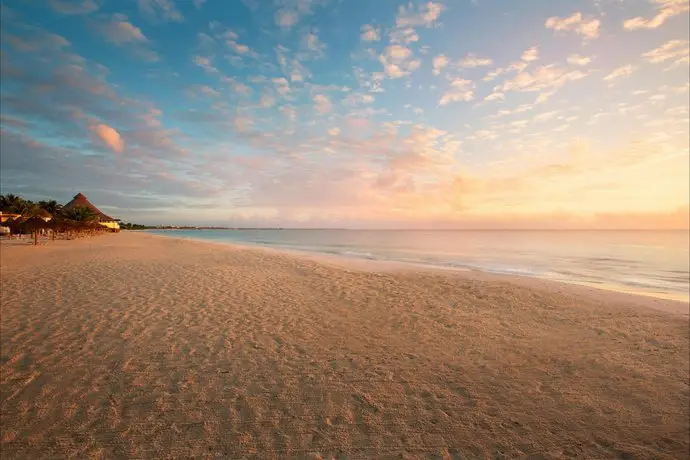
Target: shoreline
661,302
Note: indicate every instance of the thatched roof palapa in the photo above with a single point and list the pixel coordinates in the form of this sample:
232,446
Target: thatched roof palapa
29,224
42,213
80,200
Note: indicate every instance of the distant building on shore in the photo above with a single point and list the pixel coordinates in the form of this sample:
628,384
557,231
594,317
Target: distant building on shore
80,200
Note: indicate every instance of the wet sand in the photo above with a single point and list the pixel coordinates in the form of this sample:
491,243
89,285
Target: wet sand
136,346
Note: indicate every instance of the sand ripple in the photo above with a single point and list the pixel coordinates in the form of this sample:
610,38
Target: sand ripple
134,346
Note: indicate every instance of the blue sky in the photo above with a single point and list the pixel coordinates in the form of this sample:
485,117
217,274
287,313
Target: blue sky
351,112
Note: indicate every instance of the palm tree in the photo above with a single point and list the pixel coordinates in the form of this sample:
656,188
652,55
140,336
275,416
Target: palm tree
11,203
81,214
52,206
28,208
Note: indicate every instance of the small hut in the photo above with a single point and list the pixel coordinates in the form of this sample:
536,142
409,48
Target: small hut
80,200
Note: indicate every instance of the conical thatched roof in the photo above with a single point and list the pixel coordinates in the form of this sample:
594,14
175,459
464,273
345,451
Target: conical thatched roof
44,214
81,200
33,223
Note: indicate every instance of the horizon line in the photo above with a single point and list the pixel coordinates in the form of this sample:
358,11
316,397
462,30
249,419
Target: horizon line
215,227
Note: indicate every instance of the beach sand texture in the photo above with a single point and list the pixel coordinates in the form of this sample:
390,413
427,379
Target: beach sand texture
136,346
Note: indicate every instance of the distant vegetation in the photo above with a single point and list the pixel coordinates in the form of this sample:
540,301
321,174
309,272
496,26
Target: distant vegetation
15,204
130,226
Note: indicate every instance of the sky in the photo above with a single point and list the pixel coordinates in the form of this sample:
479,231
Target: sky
351,113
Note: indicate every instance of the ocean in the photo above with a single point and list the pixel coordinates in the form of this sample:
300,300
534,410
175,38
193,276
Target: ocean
652,263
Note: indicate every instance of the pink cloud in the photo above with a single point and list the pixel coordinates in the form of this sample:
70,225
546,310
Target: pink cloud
358,122
109,136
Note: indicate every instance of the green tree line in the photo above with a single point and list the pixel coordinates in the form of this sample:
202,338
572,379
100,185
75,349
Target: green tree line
15,204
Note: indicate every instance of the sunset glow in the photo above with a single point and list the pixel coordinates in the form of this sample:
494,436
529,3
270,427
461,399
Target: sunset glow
352,113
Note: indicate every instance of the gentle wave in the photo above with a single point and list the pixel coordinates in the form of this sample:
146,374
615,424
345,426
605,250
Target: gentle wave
656,264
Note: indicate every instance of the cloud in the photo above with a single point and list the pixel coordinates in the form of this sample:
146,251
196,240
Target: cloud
439,62
71,7
334,131
237,87
322,104
472,60
119,30
398,61
588,28
312,47
160,10
404,35
459,91
13,122
576,59
673,50
620,72
530,55
38,41
231,38
203,90
370,33
286,18
109,136
281,86
290,11
291,67
267,100
548,78
204,63
198,4
667,9
494,96
424,15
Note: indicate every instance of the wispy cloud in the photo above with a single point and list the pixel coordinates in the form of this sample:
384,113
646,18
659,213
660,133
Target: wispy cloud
322,104
160,10
531,54
312,46
460,90
439,63
588,28
577,59
119,30
370,33
71,7
677,51
472,60
290,12
404,35
666,10
423,15
204,63
398,61
620,72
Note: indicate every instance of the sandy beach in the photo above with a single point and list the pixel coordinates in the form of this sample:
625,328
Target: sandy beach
136,346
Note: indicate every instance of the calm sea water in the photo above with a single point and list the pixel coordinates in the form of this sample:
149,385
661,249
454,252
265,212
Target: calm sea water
647,262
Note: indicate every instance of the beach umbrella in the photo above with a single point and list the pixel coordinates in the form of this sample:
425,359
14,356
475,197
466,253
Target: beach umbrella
58,225
15,224
34,224
43,214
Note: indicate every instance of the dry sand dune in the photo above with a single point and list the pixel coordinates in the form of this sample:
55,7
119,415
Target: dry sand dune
135,346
